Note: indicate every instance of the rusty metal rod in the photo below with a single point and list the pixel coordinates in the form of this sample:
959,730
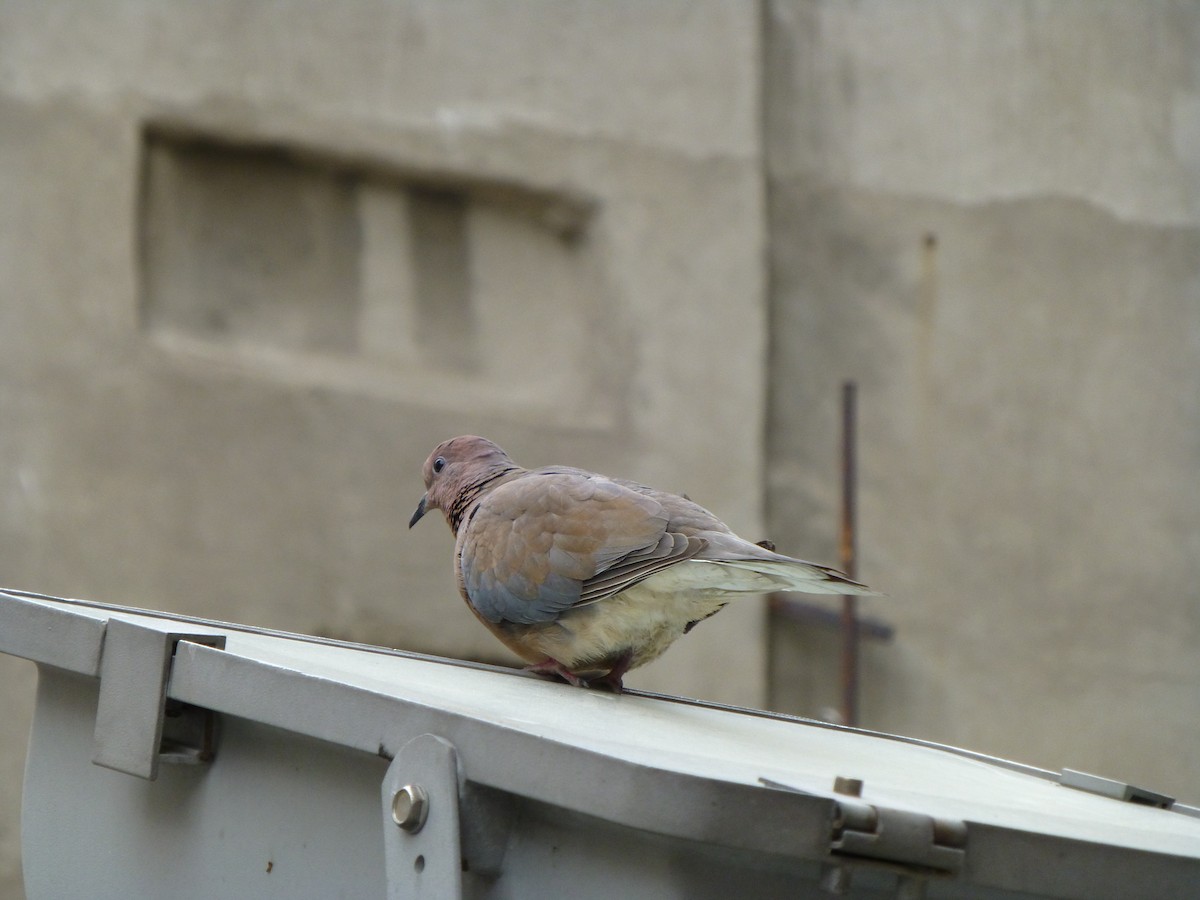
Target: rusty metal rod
847,552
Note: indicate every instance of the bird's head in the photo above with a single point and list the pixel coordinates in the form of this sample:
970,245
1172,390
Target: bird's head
455,474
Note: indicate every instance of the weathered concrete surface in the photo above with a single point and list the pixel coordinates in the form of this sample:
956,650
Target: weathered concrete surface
177,434
986,213
997,235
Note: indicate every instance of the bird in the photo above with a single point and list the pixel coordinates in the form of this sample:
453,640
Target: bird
587,577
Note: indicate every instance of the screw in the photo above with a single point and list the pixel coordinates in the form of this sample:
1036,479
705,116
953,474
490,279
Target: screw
410,807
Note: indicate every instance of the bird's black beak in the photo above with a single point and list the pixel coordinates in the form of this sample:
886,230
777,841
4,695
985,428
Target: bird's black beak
416,517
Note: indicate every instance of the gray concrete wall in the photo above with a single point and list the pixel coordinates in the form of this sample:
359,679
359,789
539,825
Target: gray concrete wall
259,258
989,215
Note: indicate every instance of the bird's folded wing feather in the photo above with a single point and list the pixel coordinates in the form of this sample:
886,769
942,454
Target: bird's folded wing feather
549,540
672,548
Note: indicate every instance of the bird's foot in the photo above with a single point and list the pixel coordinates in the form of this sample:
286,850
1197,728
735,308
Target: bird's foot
612,680
555,669
607,682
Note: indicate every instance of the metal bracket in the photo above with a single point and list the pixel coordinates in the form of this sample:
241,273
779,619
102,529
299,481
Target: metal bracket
898,836
438,826
422,846
136,727
1117,790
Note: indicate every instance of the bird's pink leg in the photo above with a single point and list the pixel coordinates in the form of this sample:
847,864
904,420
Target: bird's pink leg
556,669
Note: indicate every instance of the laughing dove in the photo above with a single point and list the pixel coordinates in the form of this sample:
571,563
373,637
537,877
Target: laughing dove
587,577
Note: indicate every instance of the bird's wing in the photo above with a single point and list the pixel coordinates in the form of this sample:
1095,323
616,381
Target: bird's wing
551,539
761,569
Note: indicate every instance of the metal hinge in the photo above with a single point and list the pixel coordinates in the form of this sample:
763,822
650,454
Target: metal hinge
914,845
926,842
137,726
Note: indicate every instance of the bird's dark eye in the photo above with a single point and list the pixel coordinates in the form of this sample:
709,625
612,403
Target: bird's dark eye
439,464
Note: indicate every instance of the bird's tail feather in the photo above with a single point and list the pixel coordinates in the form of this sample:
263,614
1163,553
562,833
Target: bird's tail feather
797,575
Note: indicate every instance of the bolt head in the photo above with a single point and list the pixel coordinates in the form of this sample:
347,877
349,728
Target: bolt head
410,807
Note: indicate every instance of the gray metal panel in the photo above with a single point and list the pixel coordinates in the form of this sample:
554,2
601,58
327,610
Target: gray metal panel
57,635
1071,835
738,749
276,817
592,772
566,774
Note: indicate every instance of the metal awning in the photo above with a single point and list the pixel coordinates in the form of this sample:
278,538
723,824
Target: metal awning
175,756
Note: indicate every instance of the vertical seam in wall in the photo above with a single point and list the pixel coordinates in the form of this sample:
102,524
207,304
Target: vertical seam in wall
768,300
764,254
